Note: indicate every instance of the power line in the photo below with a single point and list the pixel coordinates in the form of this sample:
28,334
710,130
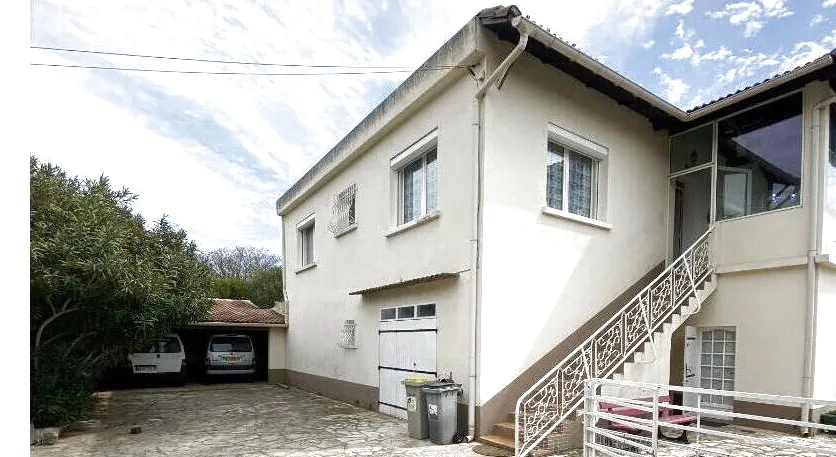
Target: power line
195,72
230,62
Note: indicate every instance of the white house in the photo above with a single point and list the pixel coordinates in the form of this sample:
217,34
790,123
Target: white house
496,211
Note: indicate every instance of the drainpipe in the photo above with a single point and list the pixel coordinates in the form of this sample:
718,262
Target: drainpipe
818,156
477,108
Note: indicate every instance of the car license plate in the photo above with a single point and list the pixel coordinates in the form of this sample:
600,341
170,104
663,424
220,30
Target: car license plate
232,358
145,369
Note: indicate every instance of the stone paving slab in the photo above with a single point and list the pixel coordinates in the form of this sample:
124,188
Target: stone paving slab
240,420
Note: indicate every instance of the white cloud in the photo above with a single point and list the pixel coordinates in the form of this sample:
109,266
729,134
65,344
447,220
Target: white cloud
680,53
681,8
828,3
807,51
648,44
753,15
674,88
818,19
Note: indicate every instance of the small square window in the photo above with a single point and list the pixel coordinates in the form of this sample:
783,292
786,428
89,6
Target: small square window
426,310
406,312
343,210
387,314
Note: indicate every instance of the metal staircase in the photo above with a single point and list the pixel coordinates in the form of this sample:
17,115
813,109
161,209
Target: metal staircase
663,305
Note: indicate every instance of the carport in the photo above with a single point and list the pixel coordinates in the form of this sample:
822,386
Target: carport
265,326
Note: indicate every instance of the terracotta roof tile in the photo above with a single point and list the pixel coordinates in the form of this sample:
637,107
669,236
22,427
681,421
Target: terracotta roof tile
241,312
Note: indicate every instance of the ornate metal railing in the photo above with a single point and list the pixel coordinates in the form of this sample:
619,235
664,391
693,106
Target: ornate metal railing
561,391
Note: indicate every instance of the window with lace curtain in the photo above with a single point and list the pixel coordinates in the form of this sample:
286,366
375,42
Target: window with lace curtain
571,181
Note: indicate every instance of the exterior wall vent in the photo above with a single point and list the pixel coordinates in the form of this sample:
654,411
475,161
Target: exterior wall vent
348,335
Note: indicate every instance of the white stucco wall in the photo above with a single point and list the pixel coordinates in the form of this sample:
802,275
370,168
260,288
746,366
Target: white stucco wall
276,349
318,298
542,276
819,93
767,309
824,378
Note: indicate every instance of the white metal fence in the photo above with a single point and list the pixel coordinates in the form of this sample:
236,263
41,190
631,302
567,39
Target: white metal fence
649,433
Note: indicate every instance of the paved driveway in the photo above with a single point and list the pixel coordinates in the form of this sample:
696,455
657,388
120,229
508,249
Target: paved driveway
238,420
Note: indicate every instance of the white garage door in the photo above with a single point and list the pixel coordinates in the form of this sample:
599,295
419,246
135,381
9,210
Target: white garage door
407,350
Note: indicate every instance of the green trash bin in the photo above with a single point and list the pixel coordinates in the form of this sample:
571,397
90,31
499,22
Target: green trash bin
416,407
441,410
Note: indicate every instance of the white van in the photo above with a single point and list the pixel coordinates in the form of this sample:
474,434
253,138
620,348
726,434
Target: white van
230,354
165,357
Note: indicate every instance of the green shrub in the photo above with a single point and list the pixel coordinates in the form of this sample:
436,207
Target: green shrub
60,391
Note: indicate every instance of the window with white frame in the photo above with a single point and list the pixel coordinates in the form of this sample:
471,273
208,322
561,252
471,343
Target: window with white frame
416,169
343,211
418,187
305,231
572,173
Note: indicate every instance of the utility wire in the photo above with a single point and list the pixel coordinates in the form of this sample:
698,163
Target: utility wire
251,73
231,62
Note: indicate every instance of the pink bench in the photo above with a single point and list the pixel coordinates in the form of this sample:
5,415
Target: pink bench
666,415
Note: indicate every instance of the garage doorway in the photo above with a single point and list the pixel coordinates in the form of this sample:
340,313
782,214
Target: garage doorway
407,341
196,341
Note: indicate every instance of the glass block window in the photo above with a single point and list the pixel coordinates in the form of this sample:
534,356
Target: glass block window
717,364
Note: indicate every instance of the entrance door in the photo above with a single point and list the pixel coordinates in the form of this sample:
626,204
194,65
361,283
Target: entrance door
692,365
407,350
691,193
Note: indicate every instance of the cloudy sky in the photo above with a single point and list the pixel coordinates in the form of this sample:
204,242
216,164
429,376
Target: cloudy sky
215,151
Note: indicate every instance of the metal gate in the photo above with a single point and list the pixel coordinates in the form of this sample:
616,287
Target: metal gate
407,350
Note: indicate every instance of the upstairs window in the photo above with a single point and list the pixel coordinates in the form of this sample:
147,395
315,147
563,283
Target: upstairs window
305,232
418,187
343,211
571,181
759,159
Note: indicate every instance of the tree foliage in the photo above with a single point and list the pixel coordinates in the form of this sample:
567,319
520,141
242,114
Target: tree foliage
265,288
240,262
230,288
101,284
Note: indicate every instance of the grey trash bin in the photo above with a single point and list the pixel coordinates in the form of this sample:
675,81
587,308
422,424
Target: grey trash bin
441,410
416,408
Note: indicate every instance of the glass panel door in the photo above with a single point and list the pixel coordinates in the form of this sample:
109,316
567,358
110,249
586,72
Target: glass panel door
734,192
691,195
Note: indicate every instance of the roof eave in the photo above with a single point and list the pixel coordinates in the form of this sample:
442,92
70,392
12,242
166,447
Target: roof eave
237,324
816,65
604,71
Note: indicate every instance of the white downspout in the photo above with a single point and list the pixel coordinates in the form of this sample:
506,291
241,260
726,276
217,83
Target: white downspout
476,114
816,197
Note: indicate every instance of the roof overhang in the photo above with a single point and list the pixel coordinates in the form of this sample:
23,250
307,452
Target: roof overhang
552,50
237,324
405,283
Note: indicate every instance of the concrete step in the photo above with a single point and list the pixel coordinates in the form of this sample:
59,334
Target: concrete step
497,441
504,429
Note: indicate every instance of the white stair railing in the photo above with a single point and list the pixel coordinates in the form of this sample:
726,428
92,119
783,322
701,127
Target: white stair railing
561,391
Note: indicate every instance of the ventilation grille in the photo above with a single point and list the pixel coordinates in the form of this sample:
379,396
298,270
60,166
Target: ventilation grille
348,335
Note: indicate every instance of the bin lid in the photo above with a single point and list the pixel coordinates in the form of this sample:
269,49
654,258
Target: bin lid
442,386
416,382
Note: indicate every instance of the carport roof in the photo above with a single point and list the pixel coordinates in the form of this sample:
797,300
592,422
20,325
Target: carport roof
241,312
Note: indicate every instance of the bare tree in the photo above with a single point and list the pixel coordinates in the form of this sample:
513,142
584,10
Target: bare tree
240,262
